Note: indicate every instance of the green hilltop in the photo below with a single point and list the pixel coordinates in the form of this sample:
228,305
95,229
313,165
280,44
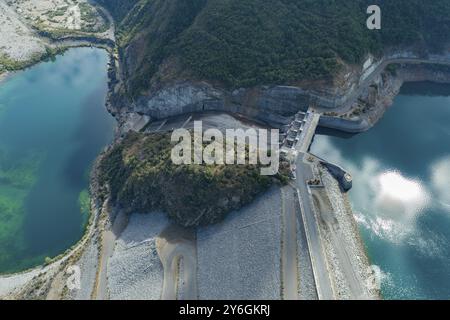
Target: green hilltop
138,175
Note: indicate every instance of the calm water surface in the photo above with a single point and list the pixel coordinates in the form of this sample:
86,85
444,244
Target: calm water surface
53,124
401,191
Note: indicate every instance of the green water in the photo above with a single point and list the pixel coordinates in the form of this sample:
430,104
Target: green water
53,124
401,191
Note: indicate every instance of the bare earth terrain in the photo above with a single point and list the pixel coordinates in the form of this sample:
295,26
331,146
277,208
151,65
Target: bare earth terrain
59,14
22,21
258,252
17,40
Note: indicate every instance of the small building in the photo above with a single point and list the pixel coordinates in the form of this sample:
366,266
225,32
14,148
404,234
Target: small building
344,178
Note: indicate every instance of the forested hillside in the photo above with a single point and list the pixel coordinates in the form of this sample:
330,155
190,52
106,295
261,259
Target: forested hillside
249,42
118,8
141,177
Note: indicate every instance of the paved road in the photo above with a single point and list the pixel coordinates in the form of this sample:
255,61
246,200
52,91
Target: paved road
318,259
289,254
357,289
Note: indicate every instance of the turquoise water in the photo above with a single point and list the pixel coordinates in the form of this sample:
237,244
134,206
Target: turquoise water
53,124
401,191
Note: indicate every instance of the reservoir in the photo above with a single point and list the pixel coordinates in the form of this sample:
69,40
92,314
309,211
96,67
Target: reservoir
53,124
400,195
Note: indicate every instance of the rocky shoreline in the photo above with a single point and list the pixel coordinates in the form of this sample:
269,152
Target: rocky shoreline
38,282
380,95
388,86
351,104
4,76
271,104
26,40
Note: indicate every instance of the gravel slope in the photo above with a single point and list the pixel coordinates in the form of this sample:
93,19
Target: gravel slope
134,270
240,257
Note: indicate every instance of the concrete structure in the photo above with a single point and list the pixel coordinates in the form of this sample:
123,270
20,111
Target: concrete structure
333,266
344,178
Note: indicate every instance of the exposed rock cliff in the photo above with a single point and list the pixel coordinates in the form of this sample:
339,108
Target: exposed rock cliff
353,102
376,98
266,60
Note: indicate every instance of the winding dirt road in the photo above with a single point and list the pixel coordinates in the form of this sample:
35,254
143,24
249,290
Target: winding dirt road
173,245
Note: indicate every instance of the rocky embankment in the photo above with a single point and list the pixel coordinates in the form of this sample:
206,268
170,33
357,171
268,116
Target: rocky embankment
379,95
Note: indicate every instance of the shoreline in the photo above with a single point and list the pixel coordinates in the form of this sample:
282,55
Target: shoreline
80,245
24,277
4,76
77,248
58,46
69,251
60,49
375,103
96,207
426,87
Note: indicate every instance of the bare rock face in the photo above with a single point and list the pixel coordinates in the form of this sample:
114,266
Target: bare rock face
365,91
378,97
273,105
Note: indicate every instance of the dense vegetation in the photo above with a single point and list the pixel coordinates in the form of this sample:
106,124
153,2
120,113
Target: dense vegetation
244,43
118,8
141,177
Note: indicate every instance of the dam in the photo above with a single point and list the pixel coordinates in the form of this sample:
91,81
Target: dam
399,195
326,226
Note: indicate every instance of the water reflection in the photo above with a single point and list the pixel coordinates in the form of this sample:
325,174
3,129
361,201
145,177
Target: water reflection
399,198
400,195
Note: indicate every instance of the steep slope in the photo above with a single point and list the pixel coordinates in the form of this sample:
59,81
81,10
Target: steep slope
245,43
141,177
118,8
